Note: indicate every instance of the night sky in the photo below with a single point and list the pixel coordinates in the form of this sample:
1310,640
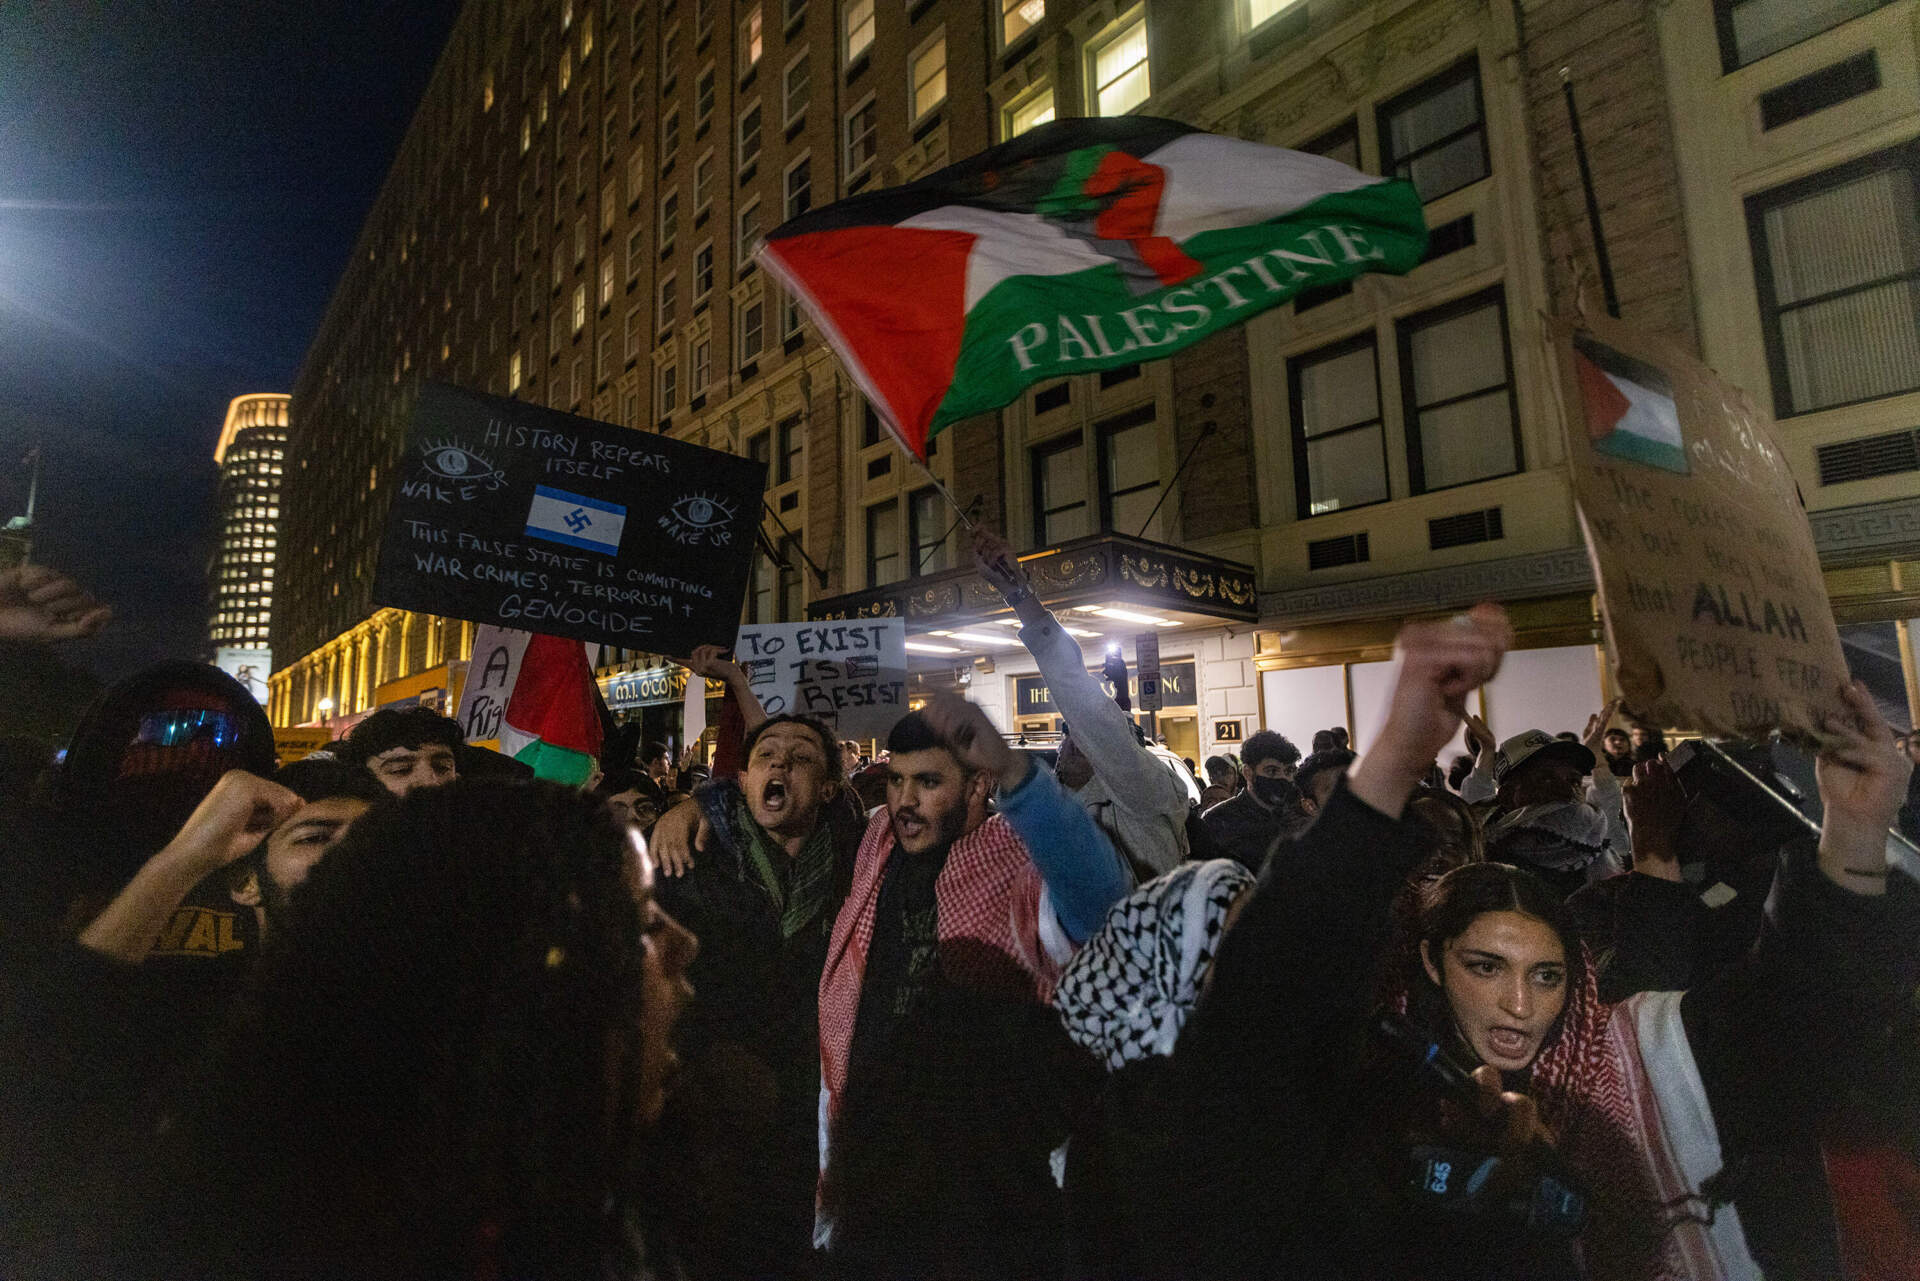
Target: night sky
180,186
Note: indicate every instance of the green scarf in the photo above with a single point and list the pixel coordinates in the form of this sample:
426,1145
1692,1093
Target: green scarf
801,896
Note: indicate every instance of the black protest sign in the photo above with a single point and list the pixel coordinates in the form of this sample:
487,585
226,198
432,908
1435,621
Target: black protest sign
513,514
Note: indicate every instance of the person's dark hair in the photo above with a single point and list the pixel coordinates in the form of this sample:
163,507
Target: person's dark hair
1448,827
409,727
1332,758
913,733
324,779
1220,771
1458,771
437,1057
1323,741
829,745
1567,736
615,781
653,751
1268,745
1451,904
1339,732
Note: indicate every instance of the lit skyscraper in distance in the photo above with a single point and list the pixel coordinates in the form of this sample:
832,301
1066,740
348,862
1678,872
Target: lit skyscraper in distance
251,455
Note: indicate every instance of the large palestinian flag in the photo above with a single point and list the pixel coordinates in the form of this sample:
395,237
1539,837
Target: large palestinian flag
1080,245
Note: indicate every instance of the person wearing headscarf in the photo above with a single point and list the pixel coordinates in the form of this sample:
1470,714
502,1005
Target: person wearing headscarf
1645,1108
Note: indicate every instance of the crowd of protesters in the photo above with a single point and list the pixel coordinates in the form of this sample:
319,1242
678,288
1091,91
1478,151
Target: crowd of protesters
1568,1009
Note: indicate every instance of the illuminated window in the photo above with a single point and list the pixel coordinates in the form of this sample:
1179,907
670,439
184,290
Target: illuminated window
636,174
750,46
609,205
1033,110
586,34
606,280
856,28
1017,17
929,87
1259,12
526,134
579,308
1119,64
566,68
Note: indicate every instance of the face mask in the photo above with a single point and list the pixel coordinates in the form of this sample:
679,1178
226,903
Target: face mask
1275,793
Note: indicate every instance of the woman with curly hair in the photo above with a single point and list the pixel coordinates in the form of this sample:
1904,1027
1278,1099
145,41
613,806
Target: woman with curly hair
447,1060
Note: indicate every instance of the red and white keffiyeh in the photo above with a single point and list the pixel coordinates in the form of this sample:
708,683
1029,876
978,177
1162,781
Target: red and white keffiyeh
989,893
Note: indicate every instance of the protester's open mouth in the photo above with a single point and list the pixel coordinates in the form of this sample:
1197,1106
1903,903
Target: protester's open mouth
909,825
1508,1042
773,796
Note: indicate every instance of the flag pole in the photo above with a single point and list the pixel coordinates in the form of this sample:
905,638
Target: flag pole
946,493
1593,203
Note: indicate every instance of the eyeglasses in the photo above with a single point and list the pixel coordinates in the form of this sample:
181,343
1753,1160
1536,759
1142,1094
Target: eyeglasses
186,725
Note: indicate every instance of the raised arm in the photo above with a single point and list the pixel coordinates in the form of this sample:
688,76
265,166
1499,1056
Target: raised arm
1137,780
1083,872
236,816
1838,949
711,662
1293,982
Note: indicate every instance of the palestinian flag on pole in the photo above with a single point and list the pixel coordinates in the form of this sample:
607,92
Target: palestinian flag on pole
1080,245
552,721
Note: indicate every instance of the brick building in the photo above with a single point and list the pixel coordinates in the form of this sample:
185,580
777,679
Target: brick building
571,217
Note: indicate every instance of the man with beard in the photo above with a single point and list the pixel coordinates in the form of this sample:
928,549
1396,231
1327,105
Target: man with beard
774,858
333,796
1245,827
941,1064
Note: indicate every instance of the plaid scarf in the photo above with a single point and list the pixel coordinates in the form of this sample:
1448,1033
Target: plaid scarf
801,895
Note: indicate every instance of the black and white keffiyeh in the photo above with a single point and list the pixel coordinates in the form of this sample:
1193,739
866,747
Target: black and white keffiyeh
1127,993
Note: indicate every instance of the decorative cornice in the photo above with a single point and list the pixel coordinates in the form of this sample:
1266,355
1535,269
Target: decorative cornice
1514,578
1870,530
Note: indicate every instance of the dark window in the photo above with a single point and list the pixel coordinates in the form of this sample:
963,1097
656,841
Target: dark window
1048,399
1456,380
883,544
760,447
1059,492
1887,454
1754,29
1339,443
1435,134
927,526
1130,473
1827,87
871,433
1837,263
787,460
1330,553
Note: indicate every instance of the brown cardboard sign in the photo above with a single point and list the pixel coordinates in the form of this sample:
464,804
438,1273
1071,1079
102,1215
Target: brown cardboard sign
1717,616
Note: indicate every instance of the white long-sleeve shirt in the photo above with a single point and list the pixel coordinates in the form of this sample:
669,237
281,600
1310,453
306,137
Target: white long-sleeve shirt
1134,796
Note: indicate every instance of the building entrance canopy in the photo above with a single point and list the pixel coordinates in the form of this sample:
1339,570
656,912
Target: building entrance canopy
1107,587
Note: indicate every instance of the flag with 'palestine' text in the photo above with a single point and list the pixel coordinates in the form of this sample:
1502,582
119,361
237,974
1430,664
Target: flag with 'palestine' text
1080,245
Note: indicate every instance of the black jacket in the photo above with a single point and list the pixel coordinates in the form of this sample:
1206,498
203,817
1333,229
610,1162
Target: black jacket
1262,1081
1243,830
740,1133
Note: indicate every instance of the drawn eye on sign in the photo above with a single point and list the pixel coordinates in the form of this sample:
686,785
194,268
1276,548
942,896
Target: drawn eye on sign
699,518
454,463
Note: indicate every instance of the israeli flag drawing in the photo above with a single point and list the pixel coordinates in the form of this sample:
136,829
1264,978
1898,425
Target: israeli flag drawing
576,520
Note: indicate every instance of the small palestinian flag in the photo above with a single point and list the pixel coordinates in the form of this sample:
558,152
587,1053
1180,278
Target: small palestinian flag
1080,245
1629,407
552,721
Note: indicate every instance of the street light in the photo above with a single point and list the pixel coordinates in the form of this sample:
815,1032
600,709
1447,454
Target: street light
325,706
